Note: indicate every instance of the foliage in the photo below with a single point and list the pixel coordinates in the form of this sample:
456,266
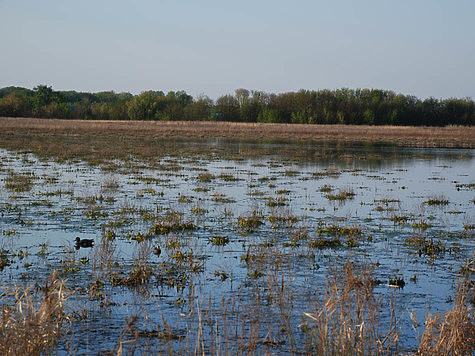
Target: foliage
341,106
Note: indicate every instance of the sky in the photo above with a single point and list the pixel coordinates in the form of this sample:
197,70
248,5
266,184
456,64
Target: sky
424,48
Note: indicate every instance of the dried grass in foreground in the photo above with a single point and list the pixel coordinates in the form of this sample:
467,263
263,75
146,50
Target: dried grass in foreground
347,321
452,332
30,326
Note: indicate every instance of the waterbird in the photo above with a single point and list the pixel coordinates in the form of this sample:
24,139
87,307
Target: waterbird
157,250
84,243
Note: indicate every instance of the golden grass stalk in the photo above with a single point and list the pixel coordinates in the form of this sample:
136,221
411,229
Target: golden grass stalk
347,321
452,332
30,326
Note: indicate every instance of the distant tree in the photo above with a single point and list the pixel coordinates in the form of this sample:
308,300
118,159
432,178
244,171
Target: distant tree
269,115
347,106
173,111
145,106
227,108
15,104
242,96
44,95
200,109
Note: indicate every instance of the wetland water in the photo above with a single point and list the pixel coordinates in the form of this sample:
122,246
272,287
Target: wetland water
247,242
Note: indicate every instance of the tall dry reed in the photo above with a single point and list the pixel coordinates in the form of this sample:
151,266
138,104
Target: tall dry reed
452,332
31,325
347,320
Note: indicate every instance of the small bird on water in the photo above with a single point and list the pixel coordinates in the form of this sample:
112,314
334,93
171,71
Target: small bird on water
83,243
157,250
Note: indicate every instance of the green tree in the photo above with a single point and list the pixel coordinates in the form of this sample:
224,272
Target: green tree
227,108
15,104
146,106
44,95
199,110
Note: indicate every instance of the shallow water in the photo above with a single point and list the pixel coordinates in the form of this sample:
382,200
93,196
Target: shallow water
73,199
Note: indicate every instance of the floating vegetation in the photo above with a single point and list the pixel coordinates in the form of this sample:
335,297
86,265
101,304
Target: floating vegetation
280,201
421,224
467,186
332,172
19,182
399,219
228,177
338,230
205,177
426,246
221,198
322,243
221,274
248,224
282,219
4,259
184,199
171,222
140,274
343,194
283,191
219,240
437,201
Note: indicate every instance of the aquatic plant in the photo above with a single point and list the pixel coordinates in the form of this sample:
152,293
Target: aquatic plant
171,221
249,223
18,182
343,194
437,201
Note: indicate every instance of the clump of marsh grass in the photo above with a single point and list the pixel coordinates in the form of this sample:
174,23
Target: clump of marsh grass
172,221
343,194
452,332
19,182
31,325
110,182
440,200
248,224
346,321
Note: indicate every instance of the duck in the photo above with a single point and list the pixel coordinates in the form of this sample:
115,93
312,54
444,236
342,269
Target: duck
84,243
157,250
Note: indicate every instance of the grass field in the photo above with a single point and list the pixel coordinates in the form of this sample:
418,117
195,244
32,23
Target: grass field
451,136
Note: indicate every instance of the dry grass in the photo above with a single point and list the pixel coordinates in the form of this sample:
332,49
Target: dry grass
346,321
30,326
452,332
450,136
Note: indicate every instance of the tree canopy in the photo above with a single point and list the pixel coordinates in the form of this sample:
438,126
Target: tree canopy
341,106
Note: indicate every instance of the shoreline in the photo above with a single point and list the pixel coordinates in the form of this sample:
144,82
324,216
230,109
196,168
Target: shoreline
405,136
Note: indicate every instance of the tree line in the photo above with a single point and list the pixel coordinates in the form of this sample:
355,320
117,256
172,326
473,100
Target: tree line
341,106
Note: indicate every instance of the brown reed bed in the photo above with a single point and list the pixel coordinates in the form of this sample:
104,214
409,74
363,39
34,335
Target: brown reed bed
34,321
450,136
453,332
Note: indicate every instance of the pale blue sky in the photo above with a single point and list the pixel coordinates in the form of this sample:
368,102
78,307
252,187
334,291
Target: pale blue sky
418,47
